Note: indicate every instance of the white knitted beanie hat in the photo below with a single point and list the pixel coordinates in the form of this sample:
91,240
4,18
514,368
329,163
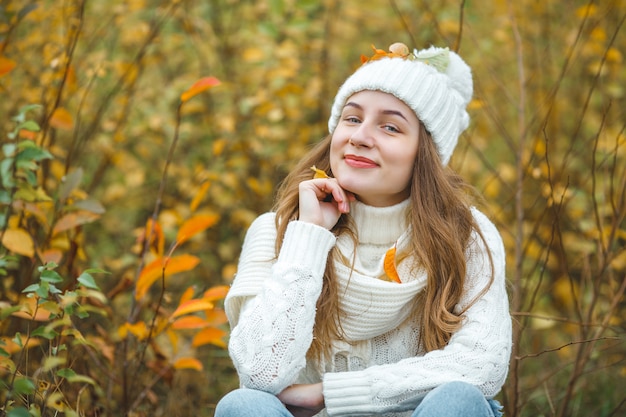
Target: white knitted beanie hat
436,83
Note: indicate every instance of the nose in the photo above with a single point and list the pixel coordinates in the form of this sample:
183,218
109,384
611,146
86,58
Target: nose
362,136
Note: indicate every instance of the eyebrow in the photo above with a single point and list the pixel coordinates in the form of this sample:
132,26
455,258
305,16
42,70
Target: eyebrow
392,112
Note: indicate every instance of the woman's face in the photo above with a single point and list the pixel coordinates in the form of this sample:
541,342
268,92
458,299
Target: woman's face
373,148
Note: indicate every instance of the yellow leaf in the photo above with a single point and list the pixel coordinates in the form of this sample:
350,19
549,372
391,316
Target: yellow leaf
318,173
139,329
216,293
212,335
197,199
188,363
390,265
199,86
163,266
190,322
62,119
192,306
195,225
6,65
18,241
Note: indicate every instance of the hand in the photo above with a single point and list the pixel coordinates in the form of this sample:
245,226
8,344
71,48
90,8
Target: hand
323,201
303,400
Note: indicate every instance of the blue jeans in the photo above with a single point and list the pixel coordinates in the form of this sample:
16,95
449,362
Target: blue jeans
449,400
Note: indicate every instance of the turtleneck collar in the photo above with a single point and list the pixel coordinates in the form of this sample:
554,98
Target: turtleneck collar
379,225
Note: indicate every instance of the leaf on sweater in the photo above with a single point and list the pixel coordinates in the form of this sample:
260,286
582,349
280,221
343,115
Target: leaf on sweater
319,173
390,265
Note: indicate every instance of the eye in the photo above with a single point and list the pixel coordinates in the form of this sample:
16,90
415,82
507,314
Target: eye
352,119
391,128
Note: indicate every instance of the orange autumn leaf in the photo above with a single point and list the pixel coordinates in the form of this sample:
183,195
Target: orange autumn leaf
6,65
195,225
190,322
62,119
212,335
27,134
216,317
74,219
156,236
199,86
32,311
192,306
199,196
10,346
168,266
187,295
216,293
390,265
188,363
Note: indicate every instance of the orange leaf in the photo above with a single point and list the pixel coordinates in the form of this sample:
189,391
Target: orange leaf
31,311
192,306
62,119
212,335
157,237
188,363
74,219
199,86
390,265
27,134
190,322
216,293
195,225
9,344
216,317
6,65
168,266
199,196
18,241
187,295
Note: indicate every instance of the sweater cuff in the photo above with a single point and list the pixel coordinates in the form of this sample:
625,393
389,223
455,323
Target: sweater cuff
306,245
347,393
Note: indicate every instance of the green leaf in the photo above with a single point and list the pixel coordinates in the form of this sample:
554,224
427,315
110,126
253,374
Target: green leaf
33,153
45,332
72,376
9,149
18,412
51,276
88,281
29,125
31,288
23,386
6,312
70,182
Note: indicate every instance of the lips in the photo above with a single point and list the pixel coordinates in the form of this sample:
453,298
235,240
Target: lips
359,162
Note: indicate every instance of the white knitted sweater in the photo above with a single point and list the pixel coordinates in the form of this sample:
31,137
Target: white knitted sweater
378,369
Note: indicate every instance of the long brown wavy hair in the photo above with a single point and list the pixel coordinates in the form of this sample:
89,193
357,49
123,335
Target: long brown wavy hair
441,224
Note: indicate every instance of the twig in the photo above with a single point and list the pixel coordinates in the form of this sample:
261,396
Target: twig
577,342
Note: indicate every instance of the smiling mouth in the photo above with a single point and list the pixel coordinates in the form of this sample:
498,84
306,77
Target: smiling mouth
359,162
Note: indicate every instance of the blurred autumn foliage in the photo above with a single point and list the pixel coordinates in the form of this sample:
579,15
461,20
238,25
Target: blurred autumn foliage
141,137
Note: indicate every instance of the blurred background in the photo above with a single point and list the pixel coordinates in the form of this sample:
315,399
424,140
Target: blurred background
105,144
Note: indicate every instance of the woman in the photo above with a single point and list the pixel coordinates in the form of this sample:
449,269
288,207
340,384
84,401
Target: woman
374,287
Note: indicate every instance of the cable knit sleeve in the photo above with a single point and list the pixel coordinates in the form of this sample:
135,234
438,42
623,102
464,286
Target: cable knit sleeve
271,305
478,353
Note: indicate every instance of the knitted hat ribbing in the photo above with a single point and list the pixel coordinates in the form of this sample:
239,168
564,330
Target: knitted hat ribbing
439,99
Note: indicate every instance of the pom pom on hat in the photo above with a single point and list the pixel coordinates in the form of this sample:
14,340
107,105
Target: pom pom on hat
435,83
